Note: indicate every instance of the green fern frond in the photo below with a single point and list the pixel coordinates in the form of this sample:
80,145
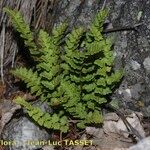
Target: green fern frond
100,19
22,102
23,28
45,41
31,78
72,41
53,121
58,33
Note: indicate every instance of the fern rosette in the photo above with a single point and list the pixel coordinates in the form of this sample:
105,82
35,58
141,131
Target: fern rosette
74,73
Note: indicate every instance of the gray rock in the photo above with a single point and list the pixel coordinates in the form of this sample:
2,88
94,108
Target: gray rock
146,111
7,110
135,65
77,12
146,64
136,90
132,49
142,145
48,148
22,129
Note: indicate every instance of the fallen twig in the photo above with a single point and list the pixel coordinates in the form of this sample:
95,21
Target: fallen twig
2,52
132,130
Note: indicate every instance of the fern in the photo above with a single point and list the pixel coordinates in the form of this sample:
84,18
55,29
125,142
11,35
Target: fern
74,75
54,121
24,31
30,78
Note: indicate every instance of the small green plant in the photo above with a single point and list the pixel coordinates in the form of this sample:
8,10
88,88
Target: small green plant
75,77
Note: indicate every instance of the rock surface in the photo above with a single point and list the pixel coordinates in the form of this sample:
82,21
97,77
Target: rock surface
132,50
7,110
142,145
21,129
